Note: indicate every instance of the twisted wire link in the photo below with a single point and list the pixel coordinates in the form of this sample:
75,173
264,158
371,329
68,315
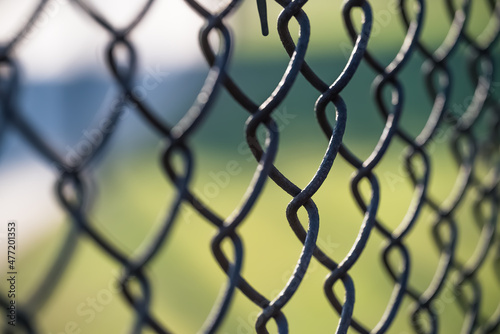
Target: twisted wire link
436,67
474,146
13,118
330,94
480,65
364,169
436,71
73,181
388,77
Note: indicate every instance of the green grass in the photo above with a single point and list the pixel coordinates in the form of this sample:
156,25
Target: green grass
185,277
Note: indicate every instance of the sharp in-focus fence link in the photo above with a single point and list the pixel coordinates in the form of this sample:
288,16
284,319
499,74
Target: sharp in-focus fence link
457,127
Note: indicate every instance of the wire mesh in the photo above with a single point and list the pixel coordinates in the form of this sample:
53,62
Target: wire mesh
473,143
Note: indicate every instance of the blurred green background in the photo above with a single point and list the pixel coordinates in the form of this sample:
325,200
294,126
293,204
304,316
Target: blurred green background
133,193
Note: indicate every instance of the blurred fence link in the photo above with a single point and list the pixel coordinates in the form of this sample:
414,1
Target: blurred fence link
446,124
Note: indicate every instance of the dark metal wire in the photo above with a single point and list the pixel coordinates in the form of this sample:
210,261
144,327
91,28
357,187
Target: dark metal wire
468,148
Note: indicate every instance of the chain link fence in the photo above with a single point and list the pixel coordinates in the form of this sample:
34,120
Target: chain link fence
472,132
